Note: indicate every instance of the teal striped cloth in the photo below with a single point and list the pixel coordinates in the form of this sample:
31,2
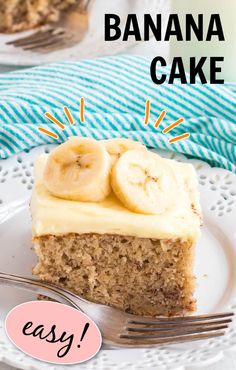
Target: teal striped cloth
115,90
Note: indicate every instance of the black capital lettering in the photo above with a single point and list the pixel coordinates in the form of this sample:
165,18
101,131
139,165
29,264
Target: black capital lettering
177,71
153,70
132,28
114,26
215,69
173,21
155,28
215,21
196,69
192,26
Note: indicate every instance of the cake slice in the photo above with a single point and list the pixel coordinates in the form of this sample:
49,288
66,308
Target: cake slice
20,15
117,224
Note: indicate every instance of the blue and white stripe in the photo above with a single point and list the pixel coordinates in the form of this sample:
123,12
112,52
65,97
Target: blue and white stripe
115,91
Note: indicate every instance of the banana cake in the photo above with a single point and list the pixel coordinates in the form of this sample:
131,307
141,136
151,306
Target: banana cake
117,224
20,15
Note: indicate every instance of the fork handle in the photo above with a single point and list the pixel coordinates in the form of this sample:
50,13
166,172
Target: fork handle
36,286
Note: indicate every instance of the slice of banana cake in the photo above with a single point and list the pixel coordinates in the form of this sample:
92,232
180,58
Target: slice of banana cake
117,224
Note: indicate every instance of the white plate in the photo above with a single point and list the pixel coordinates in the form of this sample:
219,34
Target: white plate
93,44
215,268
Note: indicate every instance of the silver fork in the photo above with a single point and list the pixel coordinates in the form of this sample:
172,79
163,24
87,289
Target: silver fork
67,31
120,329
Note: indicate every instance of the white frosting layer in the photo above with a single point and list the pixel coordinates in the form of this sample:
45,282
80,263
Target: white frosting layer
56,216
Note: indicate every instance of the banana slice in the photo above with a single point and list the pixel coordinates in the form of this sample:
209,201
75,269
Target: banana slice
79,169
143,182
118,146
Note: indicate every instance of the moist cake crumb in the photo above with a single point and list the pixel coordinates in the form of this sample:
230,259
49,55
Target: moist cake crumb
139,275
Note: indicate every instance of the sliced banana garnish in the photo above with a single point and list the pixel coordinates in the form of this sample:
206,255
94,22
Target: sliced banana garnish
118,146
78,170
143,182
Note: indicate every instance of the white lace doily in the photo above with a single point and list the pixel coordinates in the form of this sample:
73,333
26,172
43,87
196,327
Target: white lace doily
93,44
218,255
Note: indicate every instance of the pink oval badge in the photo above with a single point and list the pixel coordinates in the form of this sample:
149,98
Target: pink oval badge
53,332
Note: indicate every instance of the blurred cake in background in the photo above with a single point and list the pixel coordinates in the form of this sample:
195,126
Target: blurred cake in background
20,15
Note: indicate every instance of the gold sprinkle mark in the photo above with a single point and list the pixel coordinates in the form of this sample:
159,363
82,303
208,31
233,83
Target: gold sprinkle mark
160,118
178,138
68,115
173,125
82,109
47,132
147,111
53,119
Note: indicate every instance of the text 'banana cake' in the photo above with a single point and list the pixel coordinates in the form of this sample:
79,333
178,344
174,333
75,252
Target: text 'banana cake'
117,224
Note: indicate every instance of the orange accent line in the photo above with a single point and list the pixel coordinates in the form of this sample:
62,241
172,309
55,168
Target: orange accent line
176,123
49,133
180,137
147,111
82,109
160,118
53,119
69,115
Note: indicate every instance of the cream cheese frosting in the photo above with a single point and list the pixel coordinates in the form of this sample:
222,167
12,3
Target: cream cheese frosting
52,215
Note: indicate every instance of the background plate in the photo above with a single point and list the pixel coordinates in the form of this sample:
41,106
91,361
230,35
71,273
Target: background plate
93,44
215,267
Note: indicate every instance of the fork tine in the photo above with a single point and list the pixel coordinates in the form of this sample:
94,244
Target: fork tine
53,47
163,333
32,38
165,326
38,37
137,340
52,41
50,48
181,320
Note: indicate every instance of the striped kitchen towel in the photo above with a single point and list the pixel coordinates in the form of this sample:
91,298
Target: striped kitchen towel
115,90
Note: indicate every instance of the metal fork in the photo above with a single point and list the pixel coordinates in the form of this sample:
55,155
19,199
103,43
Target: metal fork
120,329
67,31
